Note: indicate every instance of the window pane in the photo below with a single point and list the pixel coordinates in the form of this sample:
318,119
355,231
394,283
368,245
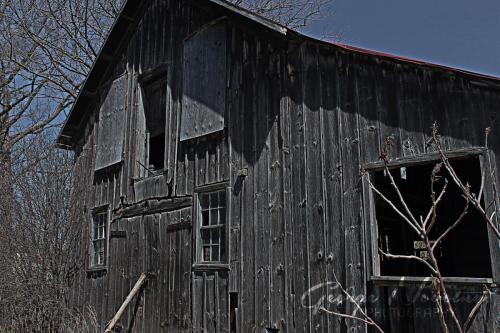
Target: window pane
205,236
214,217
222,216
98,253
100,234
215,253
222,244
95,259
205,217
214,200
206,253
98,230
204,201
222,199
215,236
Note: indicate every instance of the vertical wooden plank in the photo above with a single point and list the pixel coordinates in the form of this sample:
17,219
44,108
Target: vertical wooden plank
190,171
201,162
223,303
174,217
234,115
300,246
212,160
217,310
198,303
286,162
164,258
181,166
112,277
136,268
275,187
354,282
185,255
410,114
154,283
247,223
261,199
435,107
123,283
368,117
314,185
388,92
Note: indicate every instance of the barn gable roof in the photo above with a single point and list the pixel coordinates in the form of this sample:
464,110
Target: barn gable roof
132,9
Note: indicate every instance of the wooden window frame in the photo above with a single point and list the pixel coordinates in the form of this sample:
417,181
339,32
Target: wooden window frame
370,226
144,80
99,211
199,264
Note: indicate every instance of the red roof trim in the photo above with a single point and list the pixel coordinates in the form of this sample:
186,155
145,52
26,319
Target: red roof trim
412,61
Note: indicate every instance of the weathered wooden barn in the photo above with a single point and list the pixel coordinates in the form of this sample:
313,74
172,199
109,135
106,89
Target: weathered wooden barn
220,154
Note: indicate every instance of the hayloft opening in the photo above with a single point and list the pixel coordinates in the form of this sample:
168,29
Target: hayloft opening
155,110
464,252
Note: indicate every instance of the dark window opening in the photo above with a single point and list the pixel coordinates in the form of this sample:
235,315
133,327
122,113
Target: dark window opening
233,312
157,152
155,109
463,253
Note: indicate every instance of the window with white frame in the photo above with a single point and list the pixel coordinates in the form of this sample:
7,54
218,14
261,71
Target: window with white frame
212,227
99,238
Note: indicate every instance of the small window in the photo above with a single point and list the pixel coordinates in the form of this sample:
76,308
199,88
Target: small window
99,239
465,250
212,227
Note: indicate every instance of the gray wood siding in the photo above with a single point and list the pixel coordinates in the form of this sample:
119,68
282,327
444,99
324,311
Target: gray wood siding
112,125
301,119
204,82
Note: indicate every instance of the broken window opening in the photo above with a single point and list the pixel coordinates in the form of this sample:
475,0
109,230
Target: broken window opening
154,100
464,252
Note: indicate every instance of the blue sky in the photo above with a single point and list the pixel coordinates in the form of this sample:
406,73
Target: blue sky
456,33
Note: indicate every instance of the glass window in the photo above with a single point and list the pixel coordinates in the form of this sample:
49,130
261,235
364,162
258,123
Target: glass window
212,226
99,239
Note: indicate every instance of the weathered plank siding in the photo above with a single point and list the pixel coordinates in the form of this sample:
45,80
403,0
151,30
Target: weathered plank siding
301,118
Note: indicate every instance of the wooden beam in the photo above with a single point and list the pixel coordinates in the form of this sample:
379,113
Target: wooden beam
153,206
137,287
426,158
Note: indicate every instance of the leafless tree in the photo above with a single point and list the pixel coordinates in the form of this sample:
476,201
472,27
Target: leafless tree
34,250
291,13
46,49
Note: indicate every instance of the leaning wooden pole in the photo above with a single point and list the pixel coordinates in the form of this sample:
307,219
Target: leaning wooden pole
131,295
